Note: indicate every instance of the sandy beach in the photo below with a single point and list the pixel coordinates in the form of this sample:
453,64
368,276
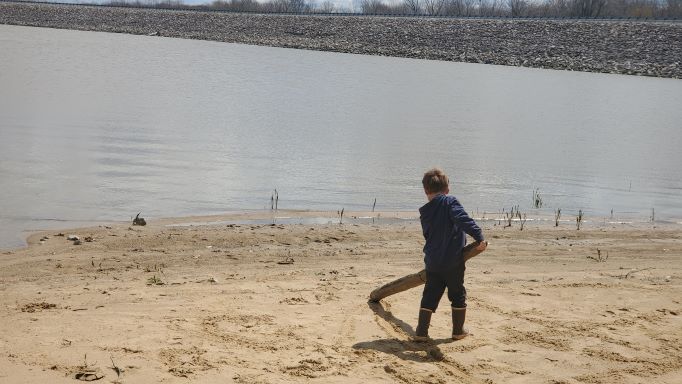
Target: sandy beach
266,303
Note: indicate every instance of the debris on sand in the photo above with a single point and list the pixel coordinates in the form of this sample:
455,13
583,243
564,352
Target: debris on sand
37,307
88,374
139,220
287,261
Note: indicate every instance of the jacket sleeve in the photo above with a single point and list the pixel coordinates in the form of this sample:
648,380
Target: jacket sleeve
466,223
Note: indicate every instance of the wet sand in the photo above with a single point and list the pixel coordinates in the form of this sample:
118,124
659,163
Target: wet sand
262,303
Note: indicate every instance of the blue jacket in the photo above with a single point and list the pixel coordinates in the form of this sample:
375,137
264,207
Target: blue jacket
444,223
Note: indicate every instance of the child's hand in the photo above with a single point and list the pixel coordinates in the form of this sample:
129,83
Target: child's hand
482,245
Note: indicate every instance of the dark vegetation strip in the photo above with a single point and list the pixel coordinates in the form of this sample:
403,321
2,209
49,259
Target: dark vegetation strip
519,9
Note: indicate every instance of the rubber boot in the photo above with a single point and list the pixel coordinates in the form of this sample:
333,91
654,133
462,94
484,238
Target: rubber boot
422,332
458,316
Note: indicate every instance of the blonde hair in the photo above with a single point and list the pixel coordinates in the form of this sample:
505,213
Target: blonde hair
435,180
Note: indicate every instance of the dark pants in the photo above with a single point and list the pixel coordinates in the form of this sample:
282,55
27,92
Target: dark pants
436,282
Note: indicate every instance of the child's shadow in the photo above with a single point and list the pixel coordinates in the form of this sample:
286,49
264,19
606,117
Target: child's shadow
404,349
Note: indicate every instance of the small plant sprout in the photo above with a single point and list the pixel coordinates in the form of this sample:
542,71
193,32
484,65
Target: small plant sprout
523,221
87,372
340,215
537,199
508,218
557,216
579,219
154,281
274,200
375,204
601,257
511,215
114,367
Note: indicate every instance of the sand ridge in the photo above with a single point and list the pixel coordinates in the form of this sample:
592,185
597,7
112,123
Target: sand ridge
266,303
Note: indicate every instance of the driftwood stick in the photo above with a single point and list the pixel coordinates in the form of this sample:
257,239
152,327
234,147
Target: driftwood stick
414,280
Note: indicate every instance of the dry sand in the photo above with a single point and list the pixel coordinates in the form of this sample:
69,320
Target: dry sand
213,304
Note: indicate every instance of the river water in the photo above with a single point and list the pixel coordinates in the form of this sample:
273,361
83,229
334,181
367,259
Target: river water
97,127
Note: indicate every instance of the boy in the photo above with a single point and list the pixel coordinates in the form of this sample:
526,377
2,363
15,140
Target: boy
444,223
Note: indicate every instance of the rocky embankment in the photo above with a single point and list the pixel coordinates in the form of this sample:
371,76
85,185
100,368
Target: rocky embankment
637,48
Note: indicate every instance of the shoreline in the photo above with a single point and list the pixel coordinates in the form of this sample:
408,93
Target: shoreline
589,46
320,217
247,303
